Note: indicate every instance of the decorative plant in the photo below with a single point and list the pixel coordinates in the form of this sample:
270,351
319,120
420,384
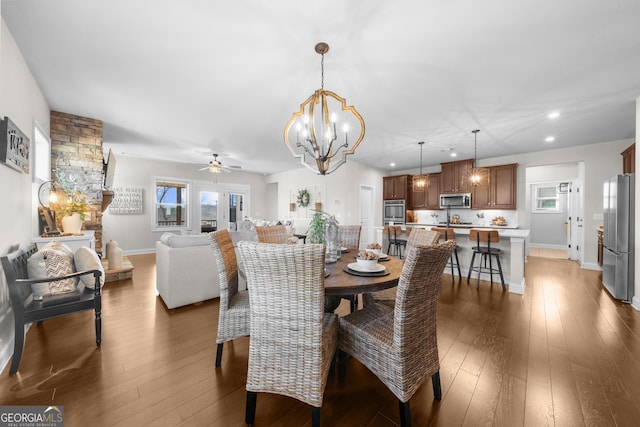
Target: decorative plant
315,233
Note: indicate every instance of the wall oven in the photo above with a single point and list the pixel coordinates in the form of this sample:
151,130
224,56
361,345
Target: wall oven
394,211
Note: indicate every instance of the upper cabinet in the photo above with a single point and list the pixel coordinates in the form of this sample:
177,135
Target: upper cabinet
454,178
396,187
501,192
429,198
629,159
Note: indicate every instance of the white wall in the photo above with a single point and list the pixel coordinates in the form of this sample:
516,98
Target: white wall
133,231
342,198
22,101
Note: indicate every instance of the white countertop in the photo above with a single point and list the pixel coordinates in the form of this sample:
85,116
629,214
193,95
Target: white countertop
502,231
424,224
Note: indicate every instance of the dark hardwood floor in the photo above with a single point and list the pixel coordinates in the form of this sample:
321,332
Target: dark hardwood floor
565,354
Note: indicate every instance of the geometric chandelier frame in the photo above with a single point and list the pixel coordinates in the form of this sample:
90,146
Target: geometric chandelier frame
318,134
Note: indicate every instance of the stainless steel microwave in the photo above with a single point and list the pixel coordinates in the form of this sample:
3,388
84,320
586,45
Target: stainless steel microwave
457,201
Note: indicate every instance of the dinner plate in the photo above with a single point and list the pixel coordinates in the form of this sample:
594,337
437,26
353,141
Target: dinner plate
357,267
368,273
344,250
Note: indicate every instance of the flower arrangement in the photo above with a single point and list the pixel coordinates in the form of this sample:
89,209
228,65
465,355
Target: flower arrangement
76,202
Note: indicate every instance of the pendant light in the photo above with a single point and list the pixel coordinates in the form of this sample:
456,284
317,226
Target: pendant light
478,177
420,182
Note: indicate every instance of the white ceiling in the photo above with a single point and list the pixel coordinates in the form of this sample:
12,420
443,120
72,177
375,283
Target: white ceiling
179,80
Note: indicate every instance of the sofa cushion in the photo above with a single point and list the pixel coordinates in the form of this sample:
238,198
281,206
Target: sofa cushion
37,268
87,259
184,240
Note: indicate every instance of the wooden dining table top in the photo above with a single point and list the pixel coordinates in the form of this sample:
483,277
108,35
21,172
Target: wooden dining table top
339,282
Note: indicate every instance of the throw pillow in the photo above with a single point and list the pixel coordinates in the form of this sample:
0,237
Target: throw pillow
36,268
59,264
87,259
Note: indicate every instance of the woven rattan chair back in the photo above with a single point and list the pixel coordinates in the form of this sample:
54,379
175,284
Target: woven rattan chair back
292,340
272,234
349,236
233,315
421,236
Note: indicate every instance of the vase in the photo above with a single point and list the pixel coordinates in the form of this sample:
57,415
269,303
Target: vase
71,223
331,240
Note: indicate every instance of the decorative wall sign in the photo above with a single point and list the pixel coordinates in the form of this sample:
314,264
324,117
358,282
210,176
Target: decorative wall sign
126,200
14,146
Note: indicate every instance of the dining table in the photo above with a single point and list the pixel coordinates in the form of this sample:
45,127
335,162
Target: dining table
341,281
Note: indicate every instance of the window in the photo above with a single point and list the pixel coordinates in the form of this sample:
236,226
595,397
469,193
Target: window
546,199
42,163
171,204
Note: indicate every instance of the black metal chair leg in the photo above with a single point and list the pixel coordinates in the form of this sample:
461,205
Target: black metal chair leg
219,354
453,279
437,388
491,268
500,271
250,414
405,414
455,252
473,258
315,417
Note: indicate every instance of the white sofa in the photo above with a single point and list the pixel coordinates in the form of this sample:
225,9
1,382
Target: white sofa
186,271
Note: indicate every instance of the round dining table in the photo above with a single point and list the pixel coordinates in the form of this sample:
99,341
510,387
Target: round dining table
340,283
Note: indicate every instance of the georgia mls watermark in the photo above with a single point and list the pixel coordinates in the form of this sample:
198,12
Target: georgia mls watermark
31,416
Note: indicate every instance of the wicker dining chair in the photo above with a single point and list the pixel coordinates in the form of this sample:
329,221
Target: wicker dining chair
293,340
399,345
275,234
233,317
419,236
349,236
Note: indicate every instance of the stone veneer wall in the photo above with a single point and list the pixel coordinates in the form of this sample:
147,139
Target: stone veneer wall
76,150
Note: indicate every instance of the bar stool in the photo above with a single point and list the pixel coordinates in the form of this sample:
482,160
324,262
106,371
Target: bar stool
447,234
485,252
395,245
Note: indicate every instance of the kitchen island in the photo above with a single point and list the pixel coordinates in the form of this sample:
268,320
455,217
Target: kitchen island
513,255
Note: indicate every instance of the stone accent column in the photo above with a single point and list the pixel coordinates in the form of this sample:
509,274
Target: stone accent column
76,148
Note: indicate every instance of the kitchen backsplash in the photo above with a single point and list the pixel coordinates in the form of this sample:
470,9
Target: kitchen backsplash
475,217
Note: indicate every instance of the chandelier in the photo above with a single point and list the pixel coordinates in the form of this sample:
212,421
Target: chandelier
312,133
478,177
420,182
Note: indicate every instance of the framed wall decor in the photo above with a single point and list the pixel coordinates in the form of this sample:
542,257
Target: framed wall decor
126,200
14,146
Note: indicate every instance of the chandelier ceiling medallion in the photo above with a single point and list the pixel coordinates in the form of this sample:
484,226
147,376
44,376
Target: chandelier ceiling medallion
420,182
478,177
312,133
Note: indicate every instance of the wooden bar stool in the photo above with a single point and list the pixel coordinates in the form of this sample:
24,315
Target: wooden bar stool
395,245
447,234
485,252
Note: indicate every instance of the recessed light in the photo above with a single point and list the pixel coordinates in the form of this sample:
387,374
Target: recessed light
553,115
550,139
454,154
393,165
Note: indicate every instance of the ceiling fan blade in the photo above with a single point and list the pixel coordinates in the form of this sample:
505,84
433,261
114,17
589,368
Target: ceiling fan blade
204,168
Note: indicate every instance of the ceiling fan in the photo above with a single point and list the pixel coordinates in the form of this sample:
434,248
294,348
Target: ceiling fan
215,166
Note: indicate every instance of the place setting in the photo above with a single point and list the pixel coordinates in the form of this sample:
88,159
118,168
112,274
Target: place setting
366,265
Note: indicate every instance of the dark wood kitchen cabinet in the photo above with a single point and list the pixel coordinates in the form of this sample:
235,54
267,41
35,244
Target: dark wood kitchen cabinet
396,187
429,198
501,192
629,159
455,176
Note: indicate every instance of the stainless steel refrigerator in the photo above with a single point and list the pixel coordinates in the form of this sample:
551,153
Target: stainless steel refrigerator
619,229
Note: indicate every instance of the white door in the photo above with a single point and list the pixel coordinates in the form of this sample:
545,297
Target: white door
367,215
575,231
